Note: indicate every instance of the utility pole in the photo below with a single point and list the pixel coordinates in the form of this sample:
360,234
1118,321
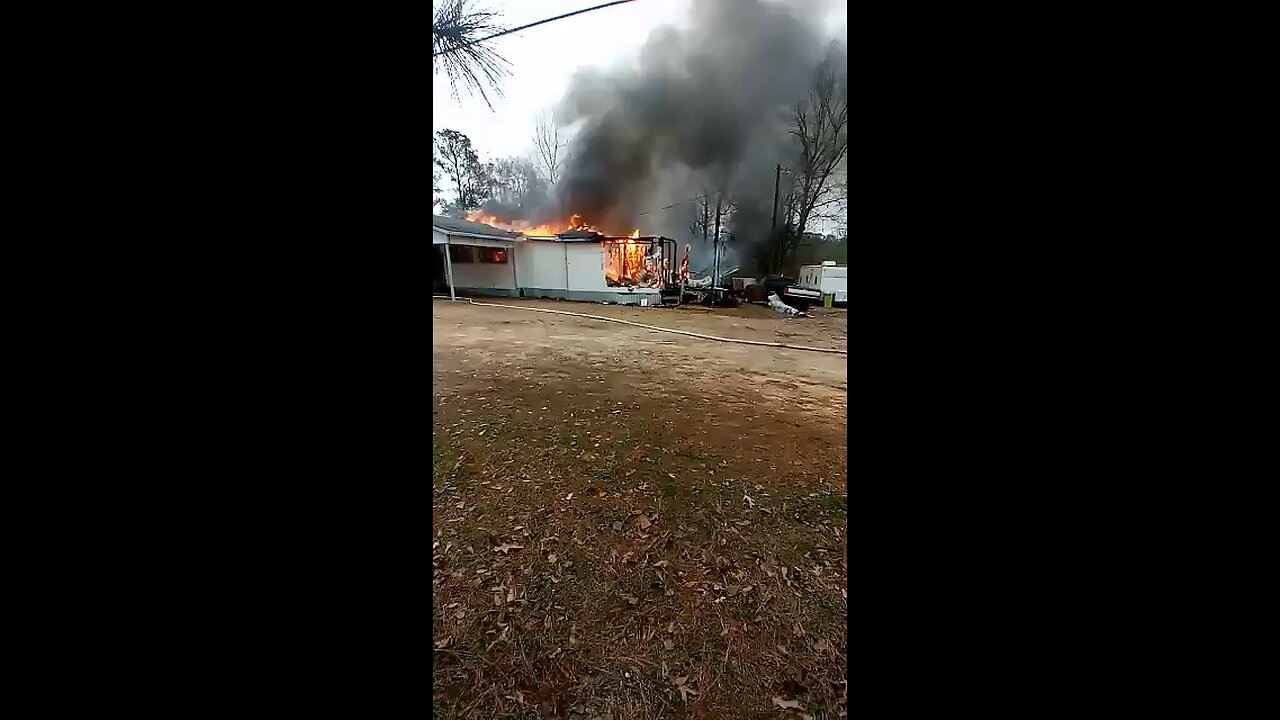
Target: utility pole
706,218
777,175
715,244
773,224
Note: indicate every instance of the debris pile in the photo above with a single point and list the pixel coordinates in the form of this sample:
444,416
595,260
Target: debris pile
778,306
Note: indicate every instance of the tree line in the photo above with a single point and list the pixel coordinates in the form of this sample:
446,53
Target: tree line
516,183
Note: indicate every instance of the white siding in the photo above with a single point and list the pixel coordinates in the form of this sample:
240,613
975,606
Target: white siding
586,266
829,280
837,286
541,264
437,237
483,275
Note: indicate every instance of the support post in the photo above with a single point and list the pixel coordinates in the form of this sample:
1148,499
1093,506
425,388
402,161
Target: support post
515,272
448,267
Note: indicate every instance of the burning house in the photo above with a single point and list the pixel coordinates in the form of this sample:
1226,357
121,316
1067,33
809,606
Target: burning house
703,116
575,263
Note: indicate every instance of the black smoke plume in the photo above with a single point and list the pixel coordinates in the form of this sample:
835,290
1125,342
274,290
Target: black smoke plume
704,106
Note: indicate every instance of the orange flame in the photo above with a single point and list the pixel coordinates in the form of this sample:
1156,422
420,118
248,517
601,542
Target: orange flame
540,231
575,223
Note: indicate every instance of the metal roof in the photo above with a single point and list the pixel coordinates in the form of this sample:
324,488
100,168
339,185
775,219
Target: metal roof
450,225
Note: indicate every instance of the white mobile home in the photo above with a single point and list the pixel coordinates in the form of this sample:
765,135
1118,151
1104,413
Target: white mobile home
483,260
828,278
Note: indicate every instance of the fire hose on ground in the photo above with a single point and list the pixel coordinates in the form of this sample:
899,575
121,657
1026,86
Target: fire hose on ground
654,327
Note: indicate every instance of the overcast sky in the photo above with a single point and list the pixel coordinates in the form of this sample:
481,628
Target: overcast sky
545,57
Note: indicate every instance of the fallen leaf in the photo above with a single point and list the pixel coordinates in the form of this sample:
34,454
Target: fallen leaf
680,680
617,525
551,558
668,644
631,599
793,704
569,496
506,549
443,643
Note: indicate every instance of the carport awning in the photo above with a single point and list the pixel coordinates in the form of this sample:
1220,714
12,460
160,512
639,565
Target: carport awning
470,240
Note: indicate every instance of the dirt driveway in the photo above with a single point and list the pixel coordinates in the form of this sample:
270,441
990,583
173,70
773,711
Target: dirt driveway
515,340
637,524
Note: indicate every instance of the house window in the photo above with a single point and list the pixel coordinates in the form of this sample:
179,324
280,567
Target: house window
462,254
492,255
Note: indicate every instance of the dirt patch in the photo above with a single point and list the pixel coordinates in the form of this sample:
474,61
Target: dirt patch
632,528
827,328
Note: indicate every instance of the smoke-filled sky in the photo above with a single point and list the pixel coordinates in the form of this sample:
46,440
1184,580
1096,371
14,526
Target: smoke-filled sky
664,95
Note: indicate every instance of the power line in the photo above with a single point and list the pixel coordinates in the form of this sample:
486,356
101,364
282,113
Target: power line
668,207
526,27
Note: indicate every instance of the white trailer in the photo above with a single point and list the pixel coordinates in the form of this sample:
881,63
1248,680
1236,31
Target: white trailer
827,278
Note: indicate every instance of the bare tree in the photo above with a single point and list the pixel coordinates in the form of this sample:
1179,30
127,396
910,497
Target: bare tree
701,225
546,138
821,130
458,34
712,211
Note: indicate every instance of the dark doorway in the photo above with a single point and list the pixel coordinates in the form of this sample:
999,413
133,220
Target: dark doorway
439,281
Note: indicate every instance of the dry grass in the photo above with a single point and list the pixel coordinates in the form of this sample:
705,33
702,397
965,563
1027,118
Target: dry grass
600,552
